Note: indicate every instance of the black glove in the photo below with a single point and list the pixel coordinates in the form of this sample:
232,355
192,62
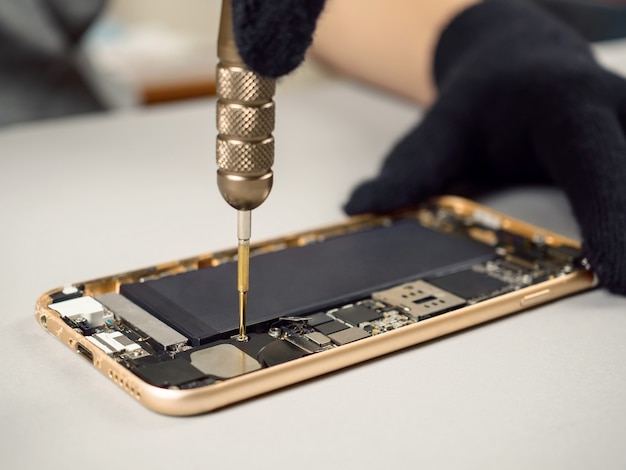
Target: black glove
521,100
273,35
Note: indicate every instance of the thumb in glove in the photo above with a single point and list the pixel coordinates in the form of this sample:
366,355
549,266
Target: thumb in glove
521,99
272,36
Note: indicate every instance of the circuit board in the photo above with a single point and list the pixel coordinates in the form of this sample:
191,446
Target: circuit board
175,330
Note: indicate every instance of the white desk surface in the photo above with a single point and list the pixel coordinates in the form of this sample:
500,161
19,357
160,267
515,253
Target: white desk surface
82,198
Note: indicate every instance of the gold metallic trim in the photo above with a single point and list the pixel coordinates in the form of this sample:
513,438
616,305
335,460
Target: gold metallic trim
227,392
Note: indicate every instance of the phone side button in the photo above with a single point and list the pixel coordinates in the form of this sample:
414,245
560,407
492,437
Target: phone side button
535,298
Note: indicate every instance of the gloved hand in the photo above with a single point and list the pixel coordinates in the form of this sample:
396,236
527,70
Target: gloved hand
273,35
521,100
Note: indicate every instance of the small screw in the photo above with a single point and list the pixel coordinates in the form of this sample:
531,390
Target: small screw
274,332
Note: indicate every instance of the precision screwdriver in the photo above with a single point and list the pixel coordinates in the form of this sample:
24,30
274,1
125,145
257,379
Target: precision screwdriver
245,146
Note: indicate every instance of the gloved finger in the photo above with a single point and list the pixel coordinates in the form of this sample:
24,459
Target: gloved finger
622,108
273,35
584,149
425,162
617,86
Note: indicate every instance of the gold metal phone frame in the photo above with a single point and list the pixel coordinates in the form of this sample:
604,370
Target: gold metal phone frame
233,390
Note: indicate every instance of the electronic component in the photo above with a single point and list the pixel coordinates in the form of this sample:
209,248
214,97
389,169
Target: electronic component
200,304
303,343
223,361
81,309
392,320
348,336
511,274
278,352
137,317
256,342
170,373
564,253
468,284
357,314
331,327
67,293
318,319
420,299
114,342
318,338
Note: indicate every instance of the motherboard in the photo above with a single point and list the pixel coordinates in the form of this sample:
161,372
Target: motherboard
176,328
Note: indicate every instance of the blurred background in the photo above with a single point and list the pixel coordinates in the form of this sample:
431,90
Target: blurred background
149,52
158,51
165,50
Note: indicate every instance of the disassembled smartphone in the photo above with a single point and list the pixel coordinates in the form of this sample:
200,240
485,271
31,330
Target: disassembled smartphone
319,301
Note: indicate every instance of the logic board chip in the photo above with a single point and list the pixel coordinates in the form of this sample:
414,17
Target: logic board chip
357,314
348,336
468,284
331,327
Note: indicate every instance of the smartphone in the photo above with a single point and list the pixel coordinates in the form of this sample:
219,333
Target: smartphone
319,301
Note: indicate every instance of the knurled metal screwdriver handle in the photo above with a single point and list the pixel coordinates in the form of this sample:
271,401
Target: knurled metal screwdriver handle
245,146
245,122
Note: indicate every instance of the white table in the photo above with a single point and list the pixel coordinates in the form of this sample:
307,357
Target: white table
82,198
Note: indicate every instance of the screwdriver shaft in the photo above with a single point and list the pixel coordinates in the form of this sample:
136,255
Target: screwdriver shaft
244,220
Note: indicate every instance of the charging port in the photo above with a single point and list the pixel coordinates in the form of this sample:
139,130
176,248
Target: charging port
84,352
